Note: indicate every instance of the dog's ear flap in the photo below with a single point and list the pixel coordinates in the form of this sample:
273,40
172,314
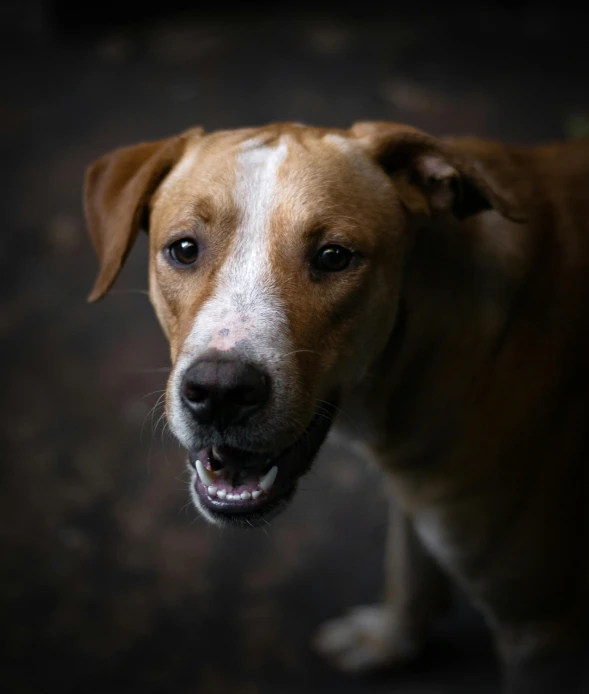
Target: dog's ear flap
117,192
430,176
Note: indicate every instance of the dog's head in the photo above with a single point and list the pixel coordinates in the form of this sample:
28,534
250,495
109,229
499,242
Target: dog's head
275,266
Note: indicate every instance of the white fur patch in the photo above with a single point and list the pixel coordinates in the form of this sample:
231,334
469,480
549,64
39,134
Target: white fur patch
245,312
246,304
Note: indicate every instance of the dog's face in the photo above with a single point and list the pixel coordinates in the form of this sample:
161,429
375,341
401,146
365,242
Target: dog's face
271,254
275,265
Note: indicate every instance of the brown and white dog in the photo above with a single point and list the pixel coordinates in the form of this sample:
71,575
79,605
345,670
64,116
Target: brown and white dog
436,290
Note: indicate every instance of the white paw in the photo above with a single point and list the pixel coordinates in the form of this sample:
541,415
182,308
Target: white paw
368,638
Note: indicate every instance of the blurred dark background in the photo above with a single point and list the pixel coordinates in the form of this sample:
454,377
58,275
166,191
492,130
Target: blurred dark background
108,581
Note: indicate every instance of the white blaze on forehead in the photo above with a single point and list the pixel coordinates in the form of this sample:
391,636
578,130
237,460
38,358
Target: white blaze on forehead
245,305
245,312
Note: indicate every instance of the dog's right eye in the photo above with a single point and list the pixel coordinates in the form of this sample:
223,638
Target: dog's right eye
184,251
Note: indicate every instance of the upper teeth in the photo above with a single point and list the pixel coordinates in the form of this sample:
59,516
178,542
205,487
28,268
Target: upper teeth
206,477
267,480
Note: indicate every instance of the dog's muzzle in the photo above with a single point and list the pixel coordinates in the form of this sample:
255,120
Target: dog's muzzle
244,487
243,469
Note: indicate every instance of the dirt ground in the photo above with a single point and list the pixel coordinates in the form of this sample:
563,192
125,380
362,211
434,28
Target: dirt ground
108,581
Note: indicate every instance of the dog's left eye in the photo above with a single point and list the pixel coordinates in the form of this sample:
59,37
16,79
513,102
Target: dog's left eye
332,258
184,251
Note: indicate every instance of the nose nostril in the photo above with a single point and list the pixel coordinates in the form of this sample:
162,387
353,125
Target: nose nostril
194,393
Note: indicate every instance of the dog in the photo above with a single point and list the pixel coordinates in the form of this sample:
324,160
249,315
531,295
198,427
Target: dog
436,290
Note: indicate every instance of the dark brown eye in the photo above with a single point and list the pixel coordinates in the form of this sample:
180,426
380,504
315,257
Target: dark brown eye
332,259
184,251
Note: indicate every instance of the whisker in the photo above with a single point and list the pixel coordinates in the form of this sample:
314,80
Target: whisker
163,414
151,412
298,351
343,413
185,507
153,392
165,431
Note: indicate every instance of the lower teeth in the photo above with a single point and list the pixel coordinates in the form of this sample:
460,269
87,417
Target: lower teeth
265,483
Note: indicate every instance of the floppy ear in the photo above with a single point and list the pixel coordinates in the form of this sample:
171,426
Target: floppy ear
431,176
117,192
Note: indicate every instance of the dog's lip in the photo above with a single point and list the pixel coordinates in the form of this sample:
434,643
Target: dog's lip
257,489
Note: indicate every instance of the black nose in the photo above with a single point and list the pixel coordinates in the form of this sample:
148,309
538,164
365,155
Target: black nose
221,390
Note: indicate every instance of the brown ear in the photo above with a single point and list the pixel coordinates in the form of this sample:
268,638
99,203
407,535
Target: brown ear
433,177
117,192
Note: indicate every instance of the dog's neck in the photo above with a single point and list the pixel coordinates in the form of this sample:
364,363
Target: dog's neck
459,287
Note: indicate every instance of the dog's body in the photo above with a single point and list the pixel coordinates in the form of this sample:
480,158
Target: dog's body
450,324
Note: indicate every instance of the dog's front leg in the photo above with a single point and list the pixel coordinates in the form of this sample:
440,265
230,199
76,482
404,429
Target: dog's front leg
393,632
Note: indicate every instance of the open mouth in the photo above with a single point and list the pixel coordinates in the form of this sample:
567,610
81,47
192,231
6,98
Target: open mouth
243,487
